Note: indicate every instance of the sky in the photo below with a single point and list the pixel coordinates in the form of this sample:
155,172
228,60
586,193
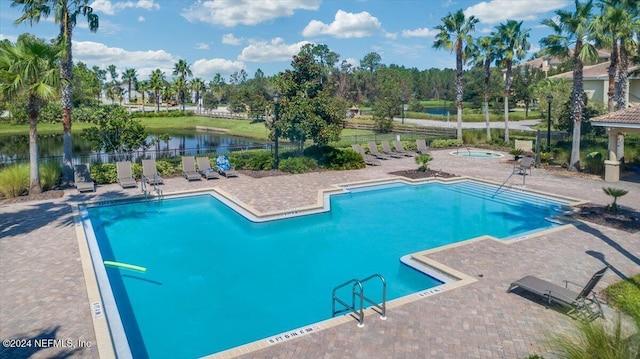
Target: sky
224,36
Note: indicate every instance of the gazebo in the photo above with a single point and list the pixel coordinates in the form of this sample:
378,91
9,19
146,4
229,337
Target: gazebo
617,123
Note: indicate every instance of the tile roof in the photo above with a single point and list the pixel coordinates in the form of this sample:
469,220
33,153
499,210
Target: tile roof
630,116
593,72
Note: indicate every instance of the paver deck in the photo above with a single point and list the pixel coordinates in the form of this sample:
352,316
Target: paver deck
43,293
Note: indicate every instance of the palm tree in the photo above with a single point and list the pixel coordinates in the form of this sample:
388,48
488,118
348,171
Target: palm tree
179,86
183,69
484,52
573,28
30,69
130,76
167,94
615,193
629,32
512,45
198,86
156,83
455,36
66,14
101,77
143,87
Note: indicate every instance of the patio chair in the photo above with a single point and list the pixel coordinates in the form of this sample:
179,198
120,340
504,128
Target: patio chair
422,147
125,178
400,149
386,149
205,169
373,150
368,159
524,164
585,302
224,167
150,172
189,169
82,178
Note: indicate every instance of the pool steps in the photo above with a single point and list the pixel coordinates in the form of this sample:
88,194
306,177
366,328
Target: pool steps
357,290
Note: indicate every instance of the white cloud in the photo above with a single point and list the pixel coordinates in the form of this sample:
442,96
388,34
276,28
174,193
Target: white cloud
246,12
353,62
202,46
110,8
12,38
230,39
141,18
276,50
97,54
421,32
345,25
391,35
207,68
488,13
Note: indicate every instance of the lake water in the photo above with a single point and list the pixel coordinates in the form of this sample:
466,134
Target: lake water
16,147
438,111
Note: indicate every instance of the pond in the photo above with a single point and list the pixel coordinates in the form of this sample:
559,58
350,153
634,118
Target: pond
438,111
15,148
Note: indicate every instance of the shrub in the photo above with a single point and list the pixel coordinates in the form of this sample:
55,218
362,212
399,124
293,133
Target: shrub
262,160
594,163
165,167
49,175
347,159
423,160
625,296
545,157
298,164
440,143
14,180
136,170
104,173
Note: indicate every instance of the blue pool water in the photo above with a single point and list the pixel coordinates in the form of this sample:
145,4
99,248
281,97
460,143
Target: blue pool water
476,154
216,280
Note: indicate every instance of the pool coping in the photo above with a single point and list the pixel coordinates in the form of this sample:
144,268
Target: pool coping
104,337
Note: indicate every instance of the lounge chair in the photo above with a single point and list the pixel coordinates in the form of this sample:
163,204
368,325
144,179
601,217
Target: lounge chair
189,169
585,302
373,150
150,172
224,167
524,164
205,169
125,178
82,178
400,149
368,159
386,149
422,147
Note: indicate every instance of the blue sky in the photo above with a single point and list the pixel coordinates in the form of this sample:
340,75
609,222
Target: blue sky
229,35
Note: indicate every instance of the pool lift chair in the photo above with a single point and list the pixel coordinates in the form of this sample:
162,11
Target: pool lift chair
357,290
584,303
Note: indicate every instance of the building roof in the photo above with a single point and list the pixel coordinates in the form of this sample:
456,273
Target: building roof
593,72
629,118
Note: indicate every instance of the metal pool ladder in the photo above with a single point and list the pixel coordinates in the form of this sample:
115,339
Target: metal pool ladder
357,290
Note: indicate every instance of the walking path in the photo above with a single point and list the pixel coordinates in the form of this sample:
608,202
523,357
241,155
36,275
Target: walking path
43,293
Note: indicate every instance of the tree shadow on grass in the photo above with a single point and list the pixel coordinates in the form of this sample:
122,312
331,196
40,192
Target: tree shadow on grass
25,346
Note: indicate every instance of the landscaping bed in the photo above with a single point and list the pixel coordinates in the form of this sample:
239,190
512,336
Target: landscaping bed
624,220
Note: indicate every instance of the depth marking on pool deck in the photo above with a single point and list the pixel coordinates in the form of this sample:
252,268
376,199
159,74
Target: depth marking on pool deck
429,292
276,339
97,310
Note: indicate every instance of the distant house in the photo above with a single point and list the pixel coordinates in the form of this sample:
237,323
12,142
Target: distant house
547,63
596,83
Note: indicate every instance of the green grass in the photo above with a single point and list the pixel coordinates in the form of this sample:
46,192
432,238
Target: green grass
625,296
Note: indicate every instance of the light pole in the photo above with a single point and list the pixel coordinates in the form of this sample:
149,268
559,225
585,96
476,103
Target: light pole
549,100
276,134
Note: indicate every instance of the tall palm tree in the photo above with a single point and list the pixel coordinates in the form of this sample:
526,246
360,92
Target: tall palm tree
512,45
130,76
168,93
30,69
143,87
484,53
183,69
101,77
156,83
66,14
615,28
198,86
573,29
455,36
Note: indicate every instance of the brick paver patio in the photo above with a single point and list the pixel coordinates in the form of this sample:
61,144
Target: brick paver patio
43,293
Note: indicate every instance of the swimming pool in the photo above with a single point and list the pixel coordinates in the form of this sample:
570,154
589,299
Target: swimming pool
216,280
476,154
